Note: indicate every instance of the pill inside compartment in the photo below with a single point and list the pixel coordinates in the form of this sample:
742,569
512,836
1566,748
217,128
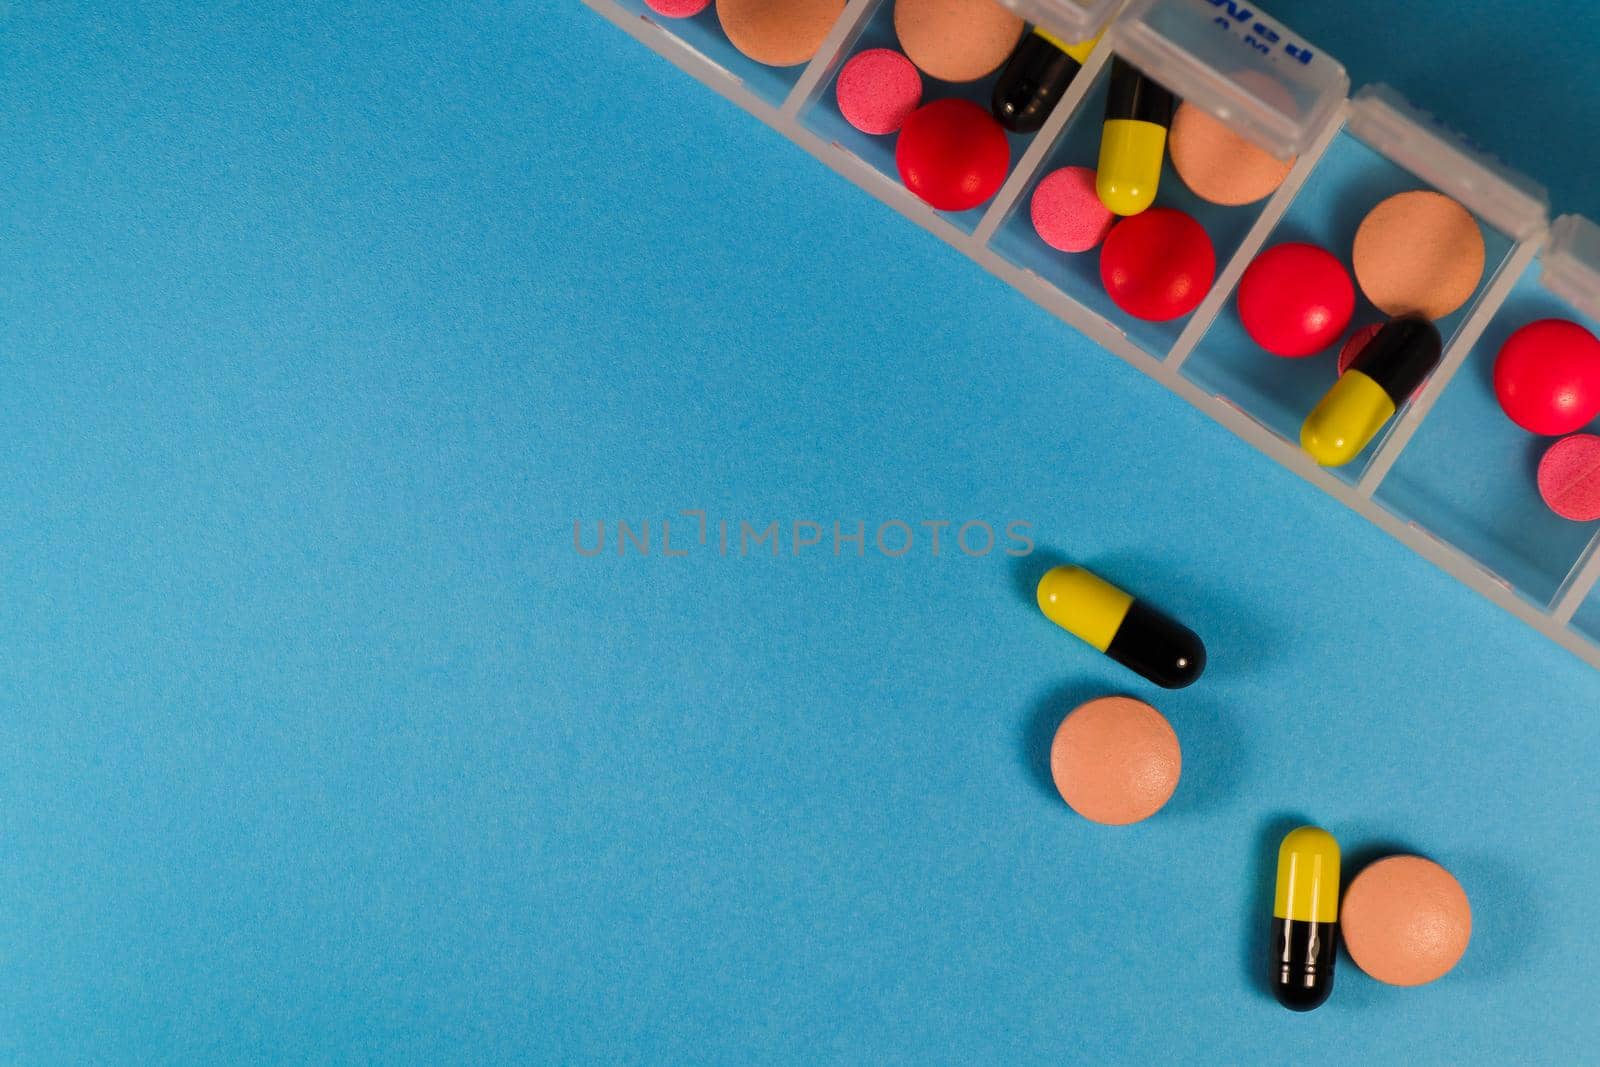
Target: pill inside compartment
1247,79
1469,476
703,33
821,113
1385,148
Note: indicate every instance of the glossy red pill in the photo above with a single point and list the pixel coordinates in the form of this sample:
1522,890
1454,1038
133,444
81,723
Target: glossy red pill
1296,299
1158,265
1547,376
953,154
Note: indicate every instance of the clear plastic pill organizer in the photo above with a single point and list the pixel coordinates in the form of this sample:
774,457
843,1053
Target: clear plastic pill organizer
1451,476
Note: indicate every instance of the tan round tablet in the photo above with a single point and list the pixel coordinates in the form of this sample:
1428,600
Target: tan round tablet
956,40
1217,164
778,33
1406,920
1115,760
1419,252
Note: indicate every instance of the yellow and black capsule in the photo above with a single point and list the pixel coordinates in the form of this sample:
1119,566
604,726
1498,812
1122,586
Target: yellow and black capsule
1129,631
1305,919
1035,78
1133,143
1389,369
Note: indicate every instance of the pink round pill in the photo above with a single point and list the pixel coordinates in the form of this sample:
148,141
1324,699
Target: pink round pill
1358,340
677,9
1569,477
1067,212
878,90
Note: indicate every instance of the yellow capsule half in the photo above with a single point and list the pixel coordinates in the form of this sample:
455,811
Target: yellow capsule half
1346,420
1131,154
1079,51
1083,604
1308,877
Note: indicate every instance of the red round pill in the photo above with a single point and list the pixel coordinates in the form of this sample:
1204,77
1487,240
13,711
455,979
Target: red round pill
1158,265
877,89
1358,340
1296,299
1547,376
1569,477
677,9
953,154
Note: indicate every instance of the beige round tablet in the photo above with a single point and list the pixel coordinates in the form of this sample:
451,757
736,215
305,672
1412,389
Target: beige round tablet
1406,920
1115,760
1419,252
1217,164
956,40
778,33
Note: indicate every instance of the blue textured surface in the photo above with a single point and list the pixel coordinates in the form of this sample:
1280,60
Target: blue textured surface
319,329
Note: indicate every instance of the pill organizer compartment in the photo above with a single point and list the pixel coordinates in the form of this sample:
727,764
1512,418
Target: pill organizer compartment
703,34
1385,147
822,116
1077,275
1469,475
1273,97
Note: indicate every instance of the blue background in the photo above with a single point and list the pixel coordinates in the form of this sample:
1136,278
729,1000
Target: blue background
319,329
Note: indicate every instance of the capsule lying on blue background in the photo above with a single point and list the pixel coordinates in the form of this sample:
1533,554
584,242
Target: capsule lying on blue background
1130,631
1305,919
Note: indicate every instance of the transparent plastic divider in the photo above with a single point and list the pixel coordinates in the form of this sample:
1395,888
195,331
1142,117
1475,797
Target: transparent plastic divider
1404,427
1237,63
1069,20
1025,173
1582,639
1579,587
1253,241
1415,140
835,49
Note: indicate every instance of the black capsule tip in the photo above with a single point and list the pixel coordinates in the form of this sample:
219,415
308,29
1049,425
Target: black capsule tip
1401,356
1298,997
1161,648
1185,667
1016,119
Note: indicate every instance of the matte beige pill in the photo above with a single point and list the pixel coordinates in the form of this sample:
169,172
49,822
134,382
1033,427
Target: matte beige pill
1419,252
1406,920
778,33
1219,165
1115,760
957,40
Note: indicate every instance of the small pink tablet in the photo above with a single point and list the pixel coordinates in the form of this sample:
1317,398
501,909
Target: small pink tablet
1067,212
1569,477
877,90
677,9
